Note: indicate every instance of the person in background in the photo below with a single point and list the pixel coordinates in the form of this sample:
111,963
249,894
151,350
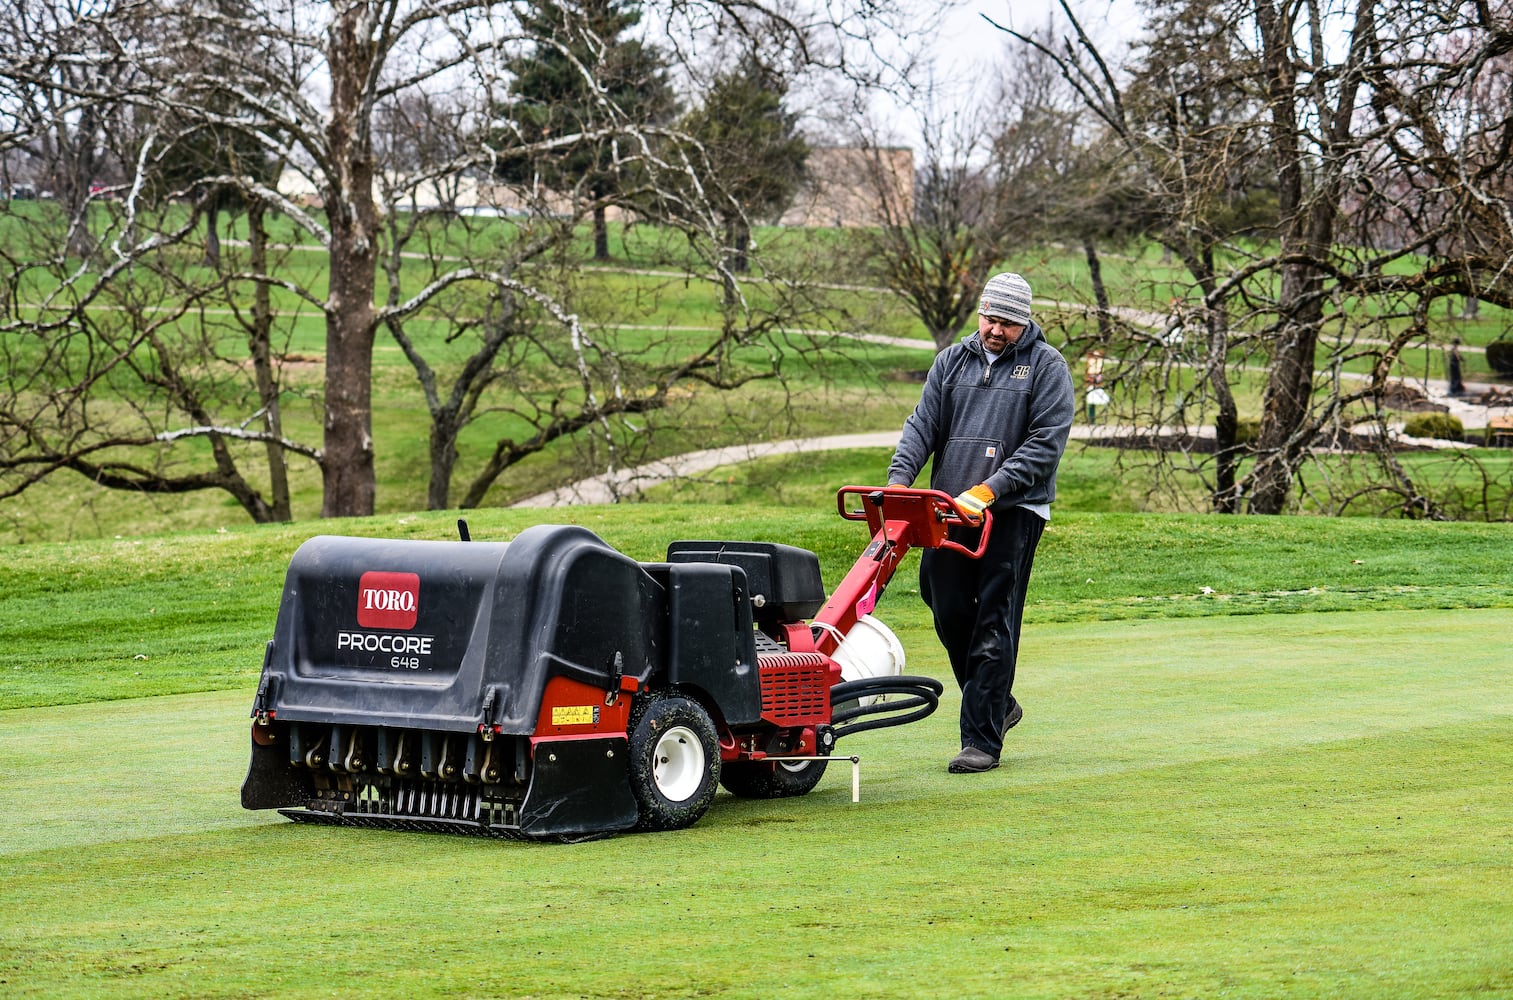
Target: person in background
1094,392
994,415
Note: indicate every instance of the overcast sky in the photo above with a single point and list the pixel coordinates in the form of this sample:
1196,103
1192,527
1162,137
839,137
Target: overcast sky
966,53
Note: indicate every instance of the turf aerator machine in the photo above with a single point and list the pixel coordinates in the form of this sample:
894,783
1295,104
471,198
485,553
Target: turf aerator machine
552,687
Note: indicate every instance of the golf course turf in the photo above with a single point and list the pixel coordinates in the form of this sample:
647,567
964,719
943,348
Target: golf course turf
1198,802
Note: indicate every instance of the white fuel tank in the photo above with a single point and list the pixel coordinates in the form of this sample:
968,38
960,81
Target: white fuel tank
870,649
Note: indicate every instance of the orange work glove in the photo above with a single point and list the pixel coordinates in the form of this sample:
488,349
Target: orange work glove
976,500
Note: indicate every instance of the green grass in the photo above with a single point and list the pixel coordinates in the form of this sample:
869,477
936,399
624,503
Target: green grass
634,305
1165,824
1203,799
90,621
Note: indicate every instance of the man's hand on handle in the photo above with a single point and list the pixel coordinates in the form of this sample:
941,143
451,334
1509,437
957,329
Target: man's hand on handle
976,500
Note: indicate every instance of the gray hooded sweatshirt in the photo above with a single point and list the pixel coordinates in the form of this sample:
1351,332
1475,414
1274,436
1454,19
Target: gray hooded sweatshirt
1004,424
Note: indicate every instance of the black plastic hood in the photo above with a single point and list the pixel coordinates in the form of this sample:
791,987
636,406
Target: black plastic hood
453,635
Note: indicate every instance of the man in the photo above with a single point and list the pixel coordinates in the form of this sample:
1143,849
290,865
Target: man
995,414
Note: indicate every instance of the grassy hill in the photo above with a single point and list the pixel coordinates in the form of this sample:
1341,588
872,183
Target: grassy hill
641,302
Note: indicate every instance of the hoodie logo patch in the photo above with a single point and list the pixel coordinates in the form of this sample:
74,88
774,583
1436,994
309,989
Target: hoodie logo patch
992,452
1020,371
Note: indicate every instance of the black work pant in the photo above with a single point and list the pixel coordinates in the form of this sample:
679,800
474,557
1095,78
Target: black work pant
978,606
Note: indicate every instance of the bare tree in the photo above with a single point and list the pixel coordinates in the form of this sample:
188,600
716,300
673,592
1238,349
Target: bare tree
1287,133
996,174
941,235
55,115
117,359
1191,175
328,90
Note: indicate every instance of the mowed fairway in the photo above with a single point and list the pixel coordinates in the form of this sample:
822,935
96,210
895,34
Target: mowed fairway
1259,805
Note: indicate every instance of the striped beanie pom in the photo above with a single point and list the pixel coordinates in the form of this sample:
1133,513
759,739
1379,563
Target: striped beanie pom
1006,296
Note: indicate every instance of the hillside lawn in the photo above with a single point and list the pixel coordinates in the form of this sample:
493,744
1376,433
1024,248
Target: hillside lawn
639,302
1260,758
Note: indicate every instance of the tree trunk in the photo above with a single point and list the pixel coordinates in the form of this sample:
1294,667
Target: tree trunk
741,248
77,171
443,461
262,365
1226,498
1288,385
601,234
1289,393
212,232
1100,291
1308,223
731,299
347,463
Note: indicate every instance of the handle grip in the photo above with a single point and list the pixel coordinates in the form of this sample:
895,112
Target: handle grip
929,512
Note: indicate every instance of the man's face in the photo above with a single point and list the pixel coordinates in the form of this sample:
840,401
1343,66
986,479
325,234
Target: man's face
997,334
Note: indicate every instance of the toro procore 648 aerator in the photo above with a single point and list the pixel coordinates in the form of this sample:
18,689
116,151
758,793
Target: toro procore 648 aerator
553,687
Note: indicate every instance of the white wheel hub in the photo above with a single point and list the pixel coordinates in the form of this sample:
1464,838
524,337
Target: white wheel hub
677,764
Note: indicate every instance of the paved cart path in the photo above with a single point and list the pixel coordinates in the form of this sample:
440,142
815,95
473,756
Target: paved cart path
612,487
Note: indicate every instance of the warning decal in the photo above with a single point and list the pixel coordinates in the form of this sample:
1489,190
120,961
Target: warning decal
575,715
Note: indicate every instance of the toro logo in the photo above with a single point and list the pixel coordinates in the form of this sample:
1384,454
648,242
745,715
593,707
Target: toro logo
388,600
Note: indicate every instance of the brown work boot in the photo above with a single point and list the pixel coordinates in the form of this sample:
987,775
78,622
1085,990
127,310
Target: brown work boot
972,760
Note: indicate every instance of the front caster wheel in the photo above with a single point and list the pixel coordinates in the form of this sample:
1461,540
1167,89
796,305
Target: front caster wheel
674,762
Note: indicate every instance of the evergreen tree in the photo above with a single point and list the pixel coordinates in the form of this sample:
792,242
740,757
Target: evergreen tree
751,148
585,84
196,157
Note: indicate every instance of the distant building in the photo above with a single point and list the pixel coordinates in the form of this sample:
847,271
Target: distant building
844,186
851,186
297,186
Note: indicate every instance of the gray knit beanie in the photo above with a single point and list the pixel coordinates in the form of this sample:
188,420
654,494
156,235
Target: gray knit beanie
1006,296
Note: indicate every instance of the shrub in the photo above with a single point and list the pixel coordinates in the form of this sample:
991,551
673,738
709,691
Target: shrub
1500,356
1445,426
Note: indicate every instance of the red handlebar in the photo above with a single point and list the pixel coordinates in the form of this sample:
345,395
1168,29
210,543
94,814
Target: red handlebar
900,518
929,514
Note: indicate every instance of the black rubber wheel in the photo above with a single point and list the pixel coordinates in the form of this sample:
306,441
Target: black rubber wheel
775,780
674,761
